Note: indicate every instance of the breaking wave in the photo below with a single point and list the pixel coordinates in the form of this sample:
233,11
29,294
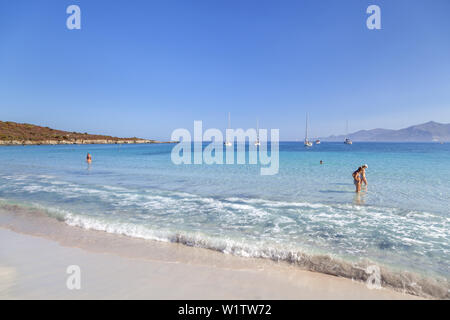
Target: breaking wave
407,282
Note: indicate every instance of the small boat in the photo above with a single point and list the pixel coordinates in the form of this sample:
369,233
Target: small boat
307,143
318,141
347,140
228,143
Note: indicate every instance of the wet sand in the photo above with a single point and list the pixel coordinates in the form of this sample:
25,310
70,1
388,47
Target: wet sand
36,252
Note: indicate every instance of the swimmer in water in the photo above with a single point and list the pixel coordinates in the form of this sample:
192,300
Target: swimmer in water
88,158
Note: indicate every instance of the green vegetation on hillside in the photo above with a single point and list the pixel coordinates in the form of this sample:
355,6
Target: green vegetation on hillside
12,131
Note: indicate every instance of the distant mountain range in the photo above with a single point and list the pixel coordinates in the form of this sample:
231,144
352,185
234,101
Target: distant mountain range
426,132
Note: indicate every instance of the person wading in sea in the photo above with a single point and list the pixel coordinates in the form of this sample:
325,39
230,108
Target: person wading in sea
359,176
88,158
363,173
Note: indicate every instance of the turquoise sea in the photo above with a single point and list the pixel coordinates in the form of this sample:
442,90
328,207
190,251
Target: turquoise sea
307,210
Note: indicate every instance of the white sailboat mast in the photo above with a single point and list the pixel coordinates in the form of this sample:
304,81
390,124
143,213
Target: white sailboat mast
257,129
306,132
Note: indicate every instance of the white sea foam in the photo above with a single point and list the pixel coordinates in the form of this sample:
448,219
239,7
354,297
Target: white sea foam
305,259
322,263
293,231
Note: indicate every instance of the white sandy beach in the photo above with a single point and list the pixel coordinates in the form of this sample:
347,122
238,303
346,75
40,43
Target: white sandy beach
35,253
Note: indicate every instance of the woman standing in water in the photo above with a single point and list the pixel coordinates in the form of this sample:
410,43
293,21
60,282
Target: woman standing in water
357,179
359,176
363,174
89,158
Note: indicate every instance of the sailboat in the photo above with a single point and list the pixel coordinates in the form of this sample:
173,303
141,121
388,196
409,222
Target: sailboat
347,140
307,142
257,143
228,143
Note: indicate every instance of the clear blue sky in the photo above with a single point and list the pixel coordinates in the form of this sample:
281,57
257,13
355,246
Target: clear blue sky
144,68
